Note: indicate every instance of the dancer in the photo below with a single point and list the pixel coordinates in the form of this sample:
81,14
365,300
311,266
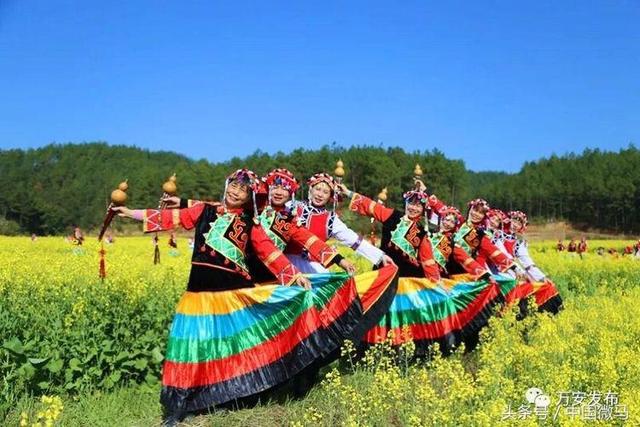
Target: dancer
325,224
473,238
496,222
452,259
537,284
582,246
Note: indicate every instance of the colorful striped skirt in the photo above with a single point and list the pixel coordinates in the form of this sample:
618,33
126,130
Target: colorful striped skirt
544,293
228,345
426,313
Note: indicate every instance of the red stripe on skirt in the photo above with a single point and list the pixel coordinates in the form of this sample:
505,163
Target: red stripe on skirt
545,292
379,286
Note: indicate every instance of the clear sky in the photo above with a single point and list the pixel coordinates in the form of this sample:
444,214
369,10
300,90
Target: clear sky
494,83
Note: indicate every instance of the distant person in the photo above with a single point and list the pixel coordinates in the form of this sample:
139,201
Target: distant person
173,243
572,246
78,236
34,237
560,246
628,250
109,237
582,246
600,251
636,248
172,240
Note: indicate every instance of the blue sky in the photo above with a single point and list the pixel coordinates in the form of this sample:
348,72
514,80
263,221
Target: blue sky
494,83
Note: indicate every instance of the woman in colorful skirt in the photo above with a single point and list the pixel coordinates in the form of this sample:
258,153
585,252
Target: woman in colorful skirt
535,283
461,272
425,309
325,224
472,236
289,234
229,339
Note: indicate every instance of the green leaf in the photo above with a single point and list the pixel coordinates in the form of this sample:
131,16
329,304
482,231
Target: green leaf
75,364
122,356
95,372
140,364
157,355
55,366
27,370
151,379
115,377
39,362
14,345
93,353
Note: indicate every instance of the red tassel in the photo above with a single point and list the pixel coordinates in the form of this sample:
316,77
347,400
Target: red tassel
103,269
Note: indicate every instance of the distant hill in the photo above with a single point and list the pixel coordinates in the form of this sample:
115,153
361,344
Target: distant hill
49,189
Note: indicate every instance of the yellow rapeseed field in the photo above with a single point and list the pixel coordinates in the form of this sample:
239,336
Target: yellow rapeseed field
64,332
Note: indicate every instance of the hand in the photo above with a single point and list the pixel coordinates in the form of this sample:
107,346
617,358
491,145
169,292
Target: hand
386,260
342,189
347,266
419,184
303,281
171,202
122,211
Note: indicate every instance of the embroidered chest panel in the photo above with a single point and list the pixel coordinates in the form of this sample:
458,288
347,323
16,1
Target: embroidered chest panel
317,220
276,226
512,243
469,238
228,236
496,235
442,248
406,237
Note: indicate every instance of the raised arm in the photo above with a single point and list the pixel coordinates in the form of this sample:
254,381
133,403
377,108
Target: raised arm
435,204
491,252
367,207
530,268
469,264
364,205
163,219
350,238
318,250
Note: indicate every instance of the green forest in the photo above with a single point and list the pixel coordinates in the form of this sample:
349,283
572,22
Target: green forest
50,189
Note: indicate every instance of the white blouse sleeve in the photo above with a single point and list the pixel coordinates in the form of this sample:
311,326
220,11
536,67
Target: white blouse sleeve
522,254
350,238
